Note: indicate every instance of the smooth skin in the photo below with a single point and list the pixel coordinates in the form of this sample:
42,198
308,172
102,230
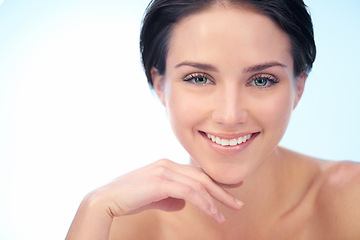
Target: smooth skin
228,81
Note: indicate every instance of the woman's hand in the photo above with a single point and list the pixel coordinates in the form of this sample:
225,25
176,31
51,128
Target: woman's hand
165,185
162,185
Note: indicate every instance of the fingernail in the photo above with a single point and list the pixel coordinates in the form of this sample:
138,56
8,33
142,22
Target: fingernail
238,202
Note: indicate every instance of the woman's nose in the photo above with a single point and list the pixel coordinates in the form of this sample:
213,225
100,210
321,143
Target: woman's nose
230,108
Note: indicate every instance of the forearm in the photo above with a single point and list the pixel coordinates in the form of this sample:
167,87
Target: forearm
91,222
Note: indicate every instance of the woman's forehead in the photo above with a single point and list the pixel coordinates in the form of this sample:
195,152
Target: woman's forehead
227,35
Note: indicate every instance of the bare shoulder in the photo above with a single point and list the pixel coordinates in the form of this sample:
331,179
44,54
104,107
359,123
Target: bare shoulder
144,225
338,198
340,180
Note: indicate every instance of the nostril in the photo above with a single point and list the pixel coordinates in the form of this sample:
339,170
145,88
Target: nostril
230,117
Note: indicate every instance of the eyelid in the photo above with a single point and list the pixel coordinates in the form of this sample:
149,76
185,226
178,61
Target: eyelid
191,76
267,76
264,75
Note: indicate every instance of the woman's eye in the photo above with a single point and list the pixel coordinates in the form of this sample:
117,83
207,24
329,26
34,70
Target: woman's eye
198,79
263,81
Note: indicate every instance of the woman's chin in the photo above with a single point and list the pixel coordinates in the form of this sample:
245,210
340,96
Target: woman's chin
223,175
229,183
226,180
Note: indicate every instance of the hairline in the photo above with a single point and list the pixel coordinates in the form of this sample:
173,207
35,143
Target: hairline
226,4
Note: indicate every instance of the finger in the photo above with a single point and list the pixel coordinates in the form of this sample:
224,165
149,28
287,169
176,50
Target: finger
162,182
175,184
195,194
169,204
219,193
214,189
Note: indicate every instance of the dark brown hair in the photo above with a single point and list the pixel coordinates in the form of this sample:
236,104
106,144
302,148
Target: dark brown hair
161,15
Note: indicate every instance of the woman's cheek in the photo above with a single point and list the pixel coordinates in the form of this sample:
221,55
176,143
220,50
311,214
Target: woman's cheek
277,114
181,110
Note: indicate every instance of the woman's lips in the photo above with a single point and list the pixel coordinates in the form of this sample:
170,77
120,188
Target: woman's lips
228,144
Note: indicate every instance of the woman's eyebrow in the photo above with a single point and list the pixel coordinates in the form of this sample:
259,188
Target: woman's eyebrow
202,66
263,66
209,67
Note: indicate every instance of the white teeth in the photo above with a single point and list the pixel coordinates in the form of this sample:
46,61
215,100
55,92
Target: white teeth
229,142
233,142
225,142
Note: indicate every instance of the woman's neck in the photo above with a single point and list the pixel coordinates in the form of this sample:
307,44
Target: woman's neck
271,194
275,189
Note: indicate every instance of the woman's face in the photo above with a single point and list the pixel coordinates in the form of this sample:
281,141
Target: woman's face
228,89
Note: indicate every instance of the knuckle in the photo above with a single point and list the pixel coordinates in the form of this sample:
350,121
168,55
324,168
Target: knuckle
193,189
188,191
163,162
208,207
160,169
198,186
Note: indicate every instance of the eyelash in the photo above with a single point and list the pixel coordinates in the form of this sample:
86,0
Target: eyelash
269,80
195,76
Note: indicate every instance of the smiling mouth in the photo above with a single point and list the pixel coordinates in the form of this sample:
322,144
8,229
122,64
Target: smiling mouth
229,142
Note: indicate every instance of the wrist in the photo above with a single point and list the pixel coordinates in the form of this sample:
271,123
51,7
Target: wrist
96,204
92,221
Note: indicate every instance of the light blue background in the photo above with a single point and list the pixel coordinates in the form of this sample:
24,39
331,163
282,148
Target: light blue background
76,112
